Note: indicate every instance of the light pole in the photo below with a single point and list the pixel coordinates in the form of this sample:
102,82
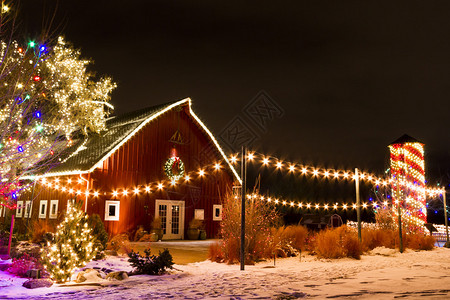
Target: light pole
243,191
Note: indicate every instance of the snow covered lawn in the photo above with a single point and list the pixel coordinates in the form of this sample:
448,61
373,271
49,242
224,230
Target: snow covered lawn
384,275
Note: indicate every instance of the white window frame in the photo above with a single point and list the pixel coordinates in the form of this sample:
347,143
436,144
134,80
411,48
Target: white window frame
19,210
52,215
215,207
109,203
28,206
41,204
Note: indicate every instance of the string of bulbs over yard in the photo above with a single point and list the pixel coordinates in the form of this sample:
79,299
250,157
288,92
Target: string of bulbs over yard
255,158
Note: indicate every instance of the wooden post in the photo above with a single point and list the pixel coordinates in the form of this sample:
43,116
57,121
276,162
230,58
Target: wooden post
11,232
399,212
358,203
243,199
445,213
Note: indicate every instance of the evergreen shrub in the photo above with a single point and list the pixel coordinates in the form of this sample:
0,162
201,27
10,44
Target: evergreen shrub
151,264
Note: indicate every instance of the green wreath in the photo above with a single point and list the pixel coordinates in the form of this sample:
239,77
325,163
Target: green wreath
174,168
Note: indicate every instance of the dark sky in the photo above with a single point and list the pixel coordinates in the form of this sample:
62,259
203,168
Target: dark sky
351,76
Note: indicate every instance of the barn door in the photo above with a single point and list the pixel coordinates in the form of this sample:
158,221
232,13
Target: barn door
171,214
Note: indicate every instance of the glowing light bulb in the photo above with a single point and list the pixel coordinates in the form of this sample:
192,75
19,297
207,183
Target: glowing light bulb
265,161
279,165
201,173
136,191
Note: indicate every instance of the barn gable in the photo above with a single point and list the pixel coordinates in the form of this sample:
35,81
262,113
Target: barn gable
88,153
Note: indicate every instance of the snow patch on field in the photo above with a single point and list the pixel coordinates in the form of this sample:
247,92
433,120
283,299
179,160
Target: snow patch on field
383,274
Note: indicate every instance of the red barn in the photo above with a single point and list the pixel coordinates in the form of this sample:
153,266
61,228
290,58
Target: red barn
124,174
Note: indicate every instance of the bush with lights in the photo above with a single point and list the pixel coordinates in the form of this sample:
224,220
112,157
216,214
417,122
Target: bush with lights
73,247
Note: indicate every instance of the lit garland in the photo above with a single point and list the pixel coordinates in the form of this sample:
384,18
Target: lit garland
331,173
73,246
158,186
47,94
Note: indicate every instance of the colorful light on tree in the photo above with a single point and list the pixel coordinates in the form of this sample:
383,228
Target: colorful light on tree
47,95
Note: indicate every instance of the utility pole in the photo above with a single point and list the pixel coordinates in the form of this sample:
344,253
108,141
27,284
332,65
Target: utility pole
445,213
358,203
243,196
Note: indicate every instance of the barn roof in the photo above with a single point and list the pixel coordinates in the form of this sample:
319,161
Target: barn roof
88,152
405,139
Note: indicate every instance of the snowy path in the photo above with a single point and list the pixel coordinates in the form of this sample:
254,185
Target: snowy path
412,275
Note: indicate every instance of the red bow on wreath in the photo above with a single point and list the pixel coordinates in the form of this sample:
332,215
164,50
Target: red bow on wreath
176,163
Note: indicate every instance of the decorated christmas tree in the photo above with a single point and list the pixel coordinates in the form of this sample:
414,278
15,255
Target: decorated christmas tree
47,97
73,245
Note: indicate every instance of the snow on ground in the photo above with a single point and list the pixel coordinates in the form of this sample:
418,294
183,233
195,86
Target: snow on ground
384,274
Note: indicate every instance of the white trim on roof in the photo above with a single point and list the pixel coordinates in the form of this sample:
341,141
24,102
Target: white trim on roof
152,117
215,141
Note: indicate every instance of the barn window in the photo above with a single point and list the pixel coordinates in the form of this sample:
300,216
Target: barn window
43,209
27,209
53,209
199,214
19,210
112,209
217,212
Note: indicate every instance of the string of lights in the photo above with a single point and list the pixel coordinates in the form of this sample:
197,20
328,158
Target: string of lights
329,173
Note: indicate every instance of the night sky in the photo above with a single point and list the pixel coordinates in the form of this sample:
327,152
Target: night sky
350,76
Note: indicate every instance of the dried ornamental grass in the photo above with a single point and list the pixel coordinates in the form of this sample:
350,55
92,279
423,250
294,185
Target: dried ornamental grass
337,243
